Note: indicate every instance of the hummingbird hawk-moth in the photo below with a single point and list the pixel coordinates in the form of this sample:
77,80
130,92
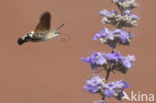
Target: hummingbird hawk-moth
42,31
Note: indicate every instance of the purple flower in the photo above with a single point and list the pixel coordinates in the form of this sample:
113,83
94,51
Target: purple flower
130,35
123,36
106,30
97,85
118,55
112,57
122,0
126,63
112,88
101,60
86,60
107,13
124,84
109,89
113,12
102,34
96,36
131,58
114,37
96,60
92,84
126,12
120,62
111,36
134,17
117,31
109,92
104,12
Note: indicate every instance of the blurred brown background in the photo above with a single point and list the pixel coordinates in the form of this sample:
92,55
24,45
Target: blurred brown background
51,71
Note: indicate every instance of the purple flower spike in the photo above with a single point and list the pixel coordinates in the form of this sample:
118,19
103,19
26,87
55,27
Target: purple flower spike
112,61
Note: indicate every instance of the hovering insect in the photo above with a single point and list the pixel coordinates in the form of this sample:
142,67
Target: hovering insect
42,31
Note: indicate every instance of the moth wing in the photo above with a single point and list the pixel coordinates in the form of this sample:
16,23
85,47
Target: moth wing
44,24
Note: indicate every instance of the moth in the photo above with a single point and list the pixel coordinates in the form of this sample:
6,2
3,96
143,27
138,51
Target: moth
42,32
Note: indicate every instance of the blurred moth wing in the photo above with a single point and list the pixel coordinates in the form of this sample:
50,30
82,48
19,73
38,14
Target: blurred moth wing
44,23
